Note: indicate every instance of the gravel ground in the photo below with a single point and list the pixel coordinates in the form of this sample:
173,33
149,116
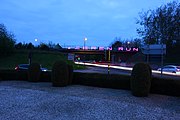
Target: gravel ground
21,100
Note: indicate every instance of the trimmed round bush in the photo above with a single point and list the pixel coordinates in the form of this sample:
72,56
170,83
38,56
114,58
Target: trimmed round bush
141,80
70,69
34,72
60,74
150,70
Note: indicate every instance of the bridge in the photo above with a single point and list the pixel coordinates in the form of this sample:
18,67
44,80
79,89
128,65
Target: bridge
121,54
149,53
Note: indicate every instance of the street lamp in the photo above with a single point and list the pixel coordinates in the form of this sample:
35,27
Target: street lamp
36,42
85,39
128,44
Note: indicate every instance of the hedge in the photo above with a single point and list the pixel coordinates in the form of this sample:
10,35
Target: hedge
102,80
22,75
164,86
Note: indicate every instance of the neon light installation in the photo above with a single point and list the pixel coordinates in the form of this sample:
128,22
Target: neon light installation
123,49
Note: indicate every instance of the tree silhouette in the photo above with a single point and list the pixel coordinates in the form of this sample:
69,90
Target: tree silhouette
7,41
160,26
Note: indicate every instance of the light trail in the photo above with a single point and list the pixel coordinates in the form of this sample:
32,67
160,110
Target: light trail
123,68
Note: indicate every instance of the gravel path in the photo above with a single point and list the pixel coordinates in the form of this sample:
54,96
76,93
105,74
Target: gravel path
21,100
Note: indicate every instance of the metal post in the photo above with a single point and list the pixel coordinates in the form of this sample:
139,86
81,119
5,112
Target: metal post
84,52
85,39
30,57
105,58
162,57
84,44
109,58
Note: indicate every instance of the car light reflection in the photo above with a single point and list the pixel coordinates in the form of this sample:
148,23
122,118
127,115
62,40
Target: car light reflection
123,68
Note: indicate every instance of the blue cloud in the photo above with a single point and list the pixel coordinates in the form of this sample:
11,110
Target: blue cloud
69,21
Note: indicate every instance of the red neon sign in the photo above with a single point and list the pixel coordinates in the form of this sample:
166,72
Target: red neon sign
125,49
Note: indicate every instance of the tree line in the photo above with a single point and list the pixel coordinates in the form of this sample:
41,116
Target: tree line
158,26
8,43
118,42
42,46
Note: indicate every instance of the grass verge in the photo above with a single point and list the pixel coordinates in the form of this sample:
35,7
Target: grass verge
46,59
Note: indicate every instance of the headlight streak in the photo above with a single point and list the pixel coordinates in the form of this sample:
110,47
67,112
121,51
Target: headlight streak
123,68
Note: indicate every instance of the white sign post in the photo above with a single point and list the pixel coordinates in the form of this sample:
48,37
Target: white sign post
71,56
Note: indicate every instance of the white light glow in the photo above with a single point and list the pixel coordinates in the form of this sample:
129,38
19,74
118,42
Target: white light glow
122,68
85,39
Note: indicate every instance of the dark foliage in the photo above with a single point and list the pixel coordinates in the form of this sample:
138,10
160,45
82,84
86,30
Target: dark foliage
44,47
7,41
19,45
141,79
116,44
161,25
30,46
70,70
34,72
102,80
13,75
60,74
45,76
164,86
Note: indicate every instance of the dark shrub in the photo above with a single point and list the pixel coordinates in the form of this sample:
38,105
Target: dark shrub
166,85
102,80
45,76
60,74
21,75
70,69
7,41
141,79
150,70
13,75
34,72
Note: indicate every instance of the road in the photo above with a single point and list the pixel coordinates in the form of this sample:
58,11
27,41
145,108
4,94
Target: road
96,68
104,70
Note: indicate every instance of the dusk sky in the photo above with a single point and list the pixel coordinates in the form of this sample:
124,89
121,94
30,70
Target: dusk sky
68,22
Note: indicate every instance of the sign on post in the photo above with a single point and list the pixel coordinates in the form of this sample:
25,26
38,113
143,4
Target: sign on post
71,56
156,49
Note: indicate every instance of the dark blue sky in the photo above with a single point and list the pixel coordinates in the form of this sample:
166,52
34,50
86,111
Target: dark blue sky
68,21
